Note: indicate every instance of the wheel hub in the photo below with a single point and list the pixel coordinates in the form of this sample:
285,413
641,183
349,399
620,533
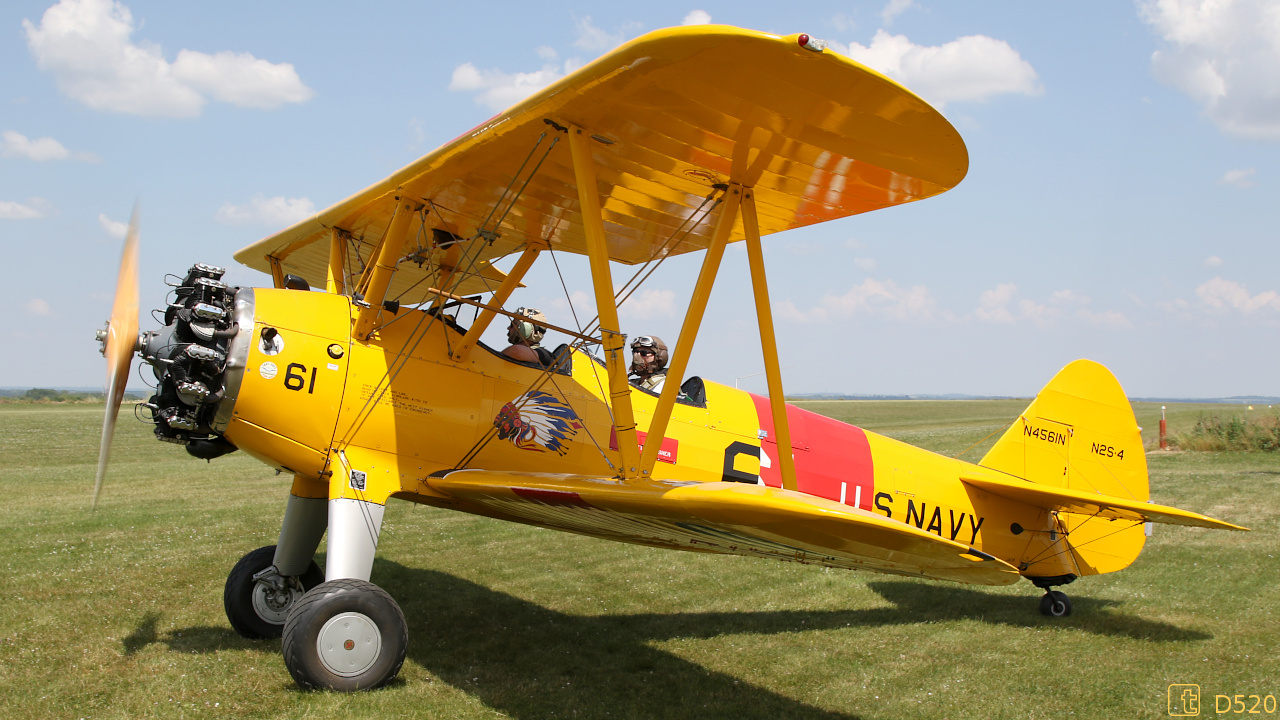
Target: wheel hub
272,604
349,644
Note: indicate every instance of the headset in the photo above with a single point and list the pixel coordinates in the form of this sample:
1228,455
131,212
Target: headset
523,328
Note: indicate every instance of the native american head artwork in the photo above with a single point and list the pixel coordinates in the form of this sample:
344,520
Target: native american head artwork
537,421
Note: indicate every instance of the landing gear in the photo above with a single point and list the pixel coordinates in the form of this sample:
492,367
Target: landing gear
345,635
1055,604
257,598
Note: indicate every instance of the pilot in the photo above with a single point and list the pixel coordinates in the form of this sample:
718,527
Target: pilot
525,333
649,362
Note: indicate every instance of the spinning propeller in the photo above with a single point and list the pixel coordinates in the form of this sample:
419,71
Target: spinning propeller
119,341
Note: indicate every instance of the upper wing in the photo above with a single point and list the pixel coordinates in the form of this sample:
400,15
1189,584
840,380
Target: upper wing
674,112
730,518
1086,503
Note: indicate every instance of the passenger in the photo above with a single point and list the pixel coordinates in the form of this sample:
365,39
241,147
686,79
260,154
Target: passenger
649,362
525,333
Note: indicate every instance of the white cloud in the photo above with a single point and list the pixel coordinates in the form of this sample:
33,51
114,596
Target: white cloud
871,297
1002,306
1069,298
114,228
86,45
894,9
241,79
993,305
582,311
971,68
1174,306
584,305
33,210
1107,318
277,212
37,307
697,17
865,264
499,90
1213,261
1222,54
1224,295
1242,178
594,39
14,144
649,304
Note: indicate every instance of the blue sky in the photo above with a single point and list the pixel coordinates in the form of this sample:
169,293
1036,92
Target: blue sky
1120,205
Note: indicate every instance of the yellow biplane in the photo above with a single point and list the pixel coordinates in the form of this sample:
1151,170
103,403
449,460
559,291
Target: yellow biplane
681,141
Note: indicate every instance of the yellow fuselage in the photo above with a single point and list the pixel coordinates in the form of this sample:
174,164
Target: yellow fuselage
400,408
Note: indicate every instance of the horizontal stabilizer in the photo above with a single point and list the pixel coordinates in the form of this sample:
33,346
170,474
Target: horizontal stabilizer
719,517
1089,503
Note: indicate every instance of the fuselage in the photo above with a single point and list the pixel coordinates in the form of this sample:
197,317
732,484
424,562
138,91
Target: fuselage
400,408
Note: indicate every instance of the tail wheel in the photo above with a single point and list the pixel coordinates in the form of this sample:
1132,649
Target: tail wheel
345,635
257,599
1055,604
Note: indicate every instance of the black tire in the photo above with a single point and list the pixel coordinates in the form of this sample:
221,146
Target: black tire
1055,604
354,616
253,609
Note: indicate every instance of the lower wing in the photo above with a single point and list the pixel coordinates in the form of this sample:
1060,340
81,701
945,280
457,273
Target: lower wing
719,517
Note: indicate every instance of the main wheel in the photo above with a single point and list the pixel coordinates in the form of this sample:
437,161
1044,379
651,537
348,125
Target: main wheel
257,608
1055,604
345,635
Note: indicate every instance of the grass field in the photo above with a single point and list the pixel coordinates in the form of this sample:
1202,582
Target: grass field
118,613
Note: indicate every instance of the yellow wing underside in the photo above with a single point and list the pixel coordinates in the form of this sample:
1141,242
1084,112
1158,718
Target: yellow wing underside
719,517
674,113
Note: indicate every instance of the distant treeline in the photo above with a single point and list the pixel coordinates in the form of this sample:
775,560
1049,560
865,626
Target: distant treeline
48,395
1260,431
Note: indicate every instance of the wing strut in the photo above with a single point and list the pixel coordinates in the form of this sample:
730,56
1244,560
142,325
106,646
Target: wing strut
613,341
277,272
689,331
377,276
335,281
499,298
768,341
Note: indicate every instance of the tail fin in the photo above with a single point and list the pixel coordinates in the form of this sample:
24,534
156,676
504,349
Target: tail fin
1080,434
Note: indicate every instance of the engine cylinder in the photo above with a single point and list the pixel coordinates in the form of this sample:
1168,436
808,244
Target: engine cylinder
193,360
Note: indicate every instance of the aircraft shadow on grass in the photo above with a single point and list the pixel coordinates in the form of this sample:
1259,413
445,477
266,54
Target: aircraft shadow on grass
528,661
200,638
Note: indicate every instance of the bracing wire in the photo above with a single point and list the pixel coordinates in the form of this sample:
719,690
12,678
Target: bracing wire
514,178
1067,547
998,430
400,361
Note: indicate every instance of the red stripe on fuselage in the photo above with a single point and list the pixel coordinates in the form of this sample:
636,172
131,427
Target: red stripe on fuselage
828,453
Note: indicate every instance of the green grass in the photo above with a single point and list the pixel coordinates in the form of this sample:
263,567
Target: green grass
117,614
